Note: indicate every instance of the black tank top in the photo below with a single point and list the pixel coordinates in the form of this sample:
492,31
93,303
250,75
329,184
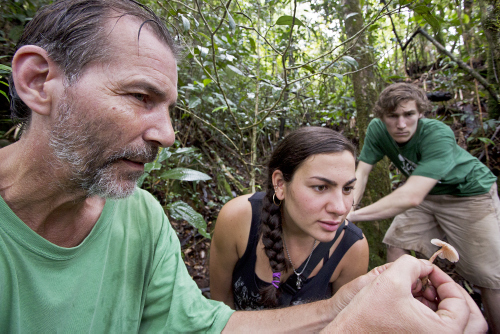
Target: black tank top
246,283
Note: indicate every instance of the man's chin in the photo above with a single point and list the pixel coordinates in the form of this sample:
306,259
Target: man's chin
114,188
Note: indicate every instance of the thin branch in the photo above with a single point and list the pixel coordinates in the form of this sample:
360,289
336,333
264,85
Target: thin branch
463,65
210,125
214,61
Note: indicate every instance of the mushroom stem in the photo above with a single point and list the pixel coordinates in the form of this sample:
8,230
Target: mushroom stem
425,280
435,255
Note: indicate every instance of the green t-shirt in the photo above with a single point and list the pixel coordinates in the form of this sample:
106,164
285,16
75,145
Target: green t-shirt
431,152
127,276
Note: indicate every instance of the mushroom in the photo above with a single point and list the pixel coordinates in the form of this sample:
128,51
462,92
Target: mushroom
446,251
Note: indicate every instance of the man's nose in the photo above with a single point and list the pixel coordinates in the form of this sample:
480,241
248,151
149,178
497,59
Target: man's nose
401,122
160,129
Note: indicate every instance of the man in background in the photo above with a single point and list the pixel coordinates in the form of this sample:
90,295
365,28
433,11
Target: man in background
449,194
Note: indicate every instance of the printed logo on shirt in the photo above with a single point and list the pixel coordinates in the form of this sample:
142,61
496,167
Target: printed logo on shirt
407,165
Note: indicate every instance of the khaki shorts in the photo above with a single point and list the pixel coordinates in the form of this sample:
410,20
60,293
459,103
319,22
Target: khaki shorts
470,224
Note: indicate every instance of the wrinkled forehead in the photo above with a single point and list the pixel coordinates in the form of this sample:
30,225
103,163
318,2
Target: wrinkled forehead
125,32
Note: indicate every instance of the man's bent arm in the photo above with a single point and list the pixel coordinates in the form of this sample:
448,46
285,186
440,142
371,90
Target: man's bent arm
362,173
311,317
411,194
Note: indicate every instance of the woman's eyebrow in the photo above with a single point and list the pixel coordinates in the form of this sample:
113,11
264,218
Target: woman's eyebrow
332,183
327,181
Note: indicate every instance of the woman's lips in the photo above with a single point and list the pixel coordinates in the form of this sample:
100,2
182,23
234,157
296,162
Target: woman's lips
329,225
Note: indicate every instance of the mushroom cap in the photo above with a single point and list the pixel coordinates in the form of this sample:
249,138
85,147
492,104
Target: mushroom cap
449,252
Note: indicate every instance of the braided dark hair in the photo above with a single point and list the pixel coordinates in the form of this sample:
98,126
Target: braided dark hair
293,150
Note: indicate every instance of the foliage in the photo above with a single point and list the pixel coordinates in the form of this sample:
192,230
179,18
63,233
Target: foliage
252,71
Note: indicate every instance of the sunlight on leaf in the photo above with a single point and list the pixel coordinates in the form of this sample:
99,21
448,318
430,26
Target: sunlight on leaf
235,70
287,20
182,211
185,174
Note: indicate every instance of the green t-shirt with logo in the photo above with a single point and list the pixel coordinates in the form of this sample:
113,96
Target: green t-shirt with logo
431,152
127,276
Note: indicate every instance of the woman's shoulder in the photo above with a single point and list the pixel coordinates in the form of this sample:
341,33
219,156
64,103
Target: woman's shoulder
236,208
234,221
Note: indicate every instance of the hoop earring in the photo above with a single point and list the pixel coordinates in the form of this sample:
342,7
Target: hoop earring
274,200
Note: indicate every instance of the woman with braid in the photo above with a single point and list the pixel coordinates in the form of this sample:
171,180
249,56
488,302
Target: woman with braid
291,244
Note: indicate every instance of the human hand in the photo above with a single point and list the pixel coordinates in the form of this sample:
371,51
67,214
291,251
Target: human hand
347,292
391,302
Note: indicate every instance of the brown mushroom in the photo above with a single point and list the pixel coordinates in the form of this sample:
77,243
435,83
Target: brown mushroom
446,251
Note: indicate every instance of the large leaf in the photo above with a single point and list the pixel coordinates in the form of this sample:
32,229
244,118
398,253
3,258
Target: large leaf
164,154
185,174
351,61
181,211
194,101
425,11
185,23
232,24
235,70
287,20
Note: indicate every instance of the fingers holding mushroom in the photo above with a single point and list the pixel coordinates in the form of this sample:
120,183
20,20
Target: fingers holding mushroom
446,251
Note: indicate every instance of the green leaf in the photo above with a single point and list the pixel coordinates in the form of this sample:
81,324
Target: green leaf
232,24
309,68
4,94
486,140
206,82
185,150
287,20
203,51
351,61
202,34
185,23
140,181
252,44
218,108
425,11
185,174
235,70
182,211
5,68
466,18
155,165
194,101
164,155
349,15
339,76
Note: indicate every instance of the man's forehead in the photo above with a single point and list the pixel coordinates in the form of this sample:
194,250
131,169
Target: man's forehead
129,30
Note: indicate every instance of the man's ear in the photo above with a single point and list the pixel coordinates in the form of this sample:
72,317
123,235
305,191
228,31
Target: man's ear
36,77
278,184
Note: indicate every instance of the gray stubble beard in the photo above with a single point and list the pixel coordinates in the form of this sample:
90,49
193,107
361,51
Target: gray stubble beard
78,145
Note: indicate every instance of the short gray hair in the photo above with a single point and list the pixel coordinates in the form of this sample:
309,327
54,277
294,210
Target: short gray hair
71,31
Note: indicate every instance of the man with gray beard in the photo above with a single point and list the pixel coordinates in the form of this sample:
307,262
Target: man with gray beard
81,249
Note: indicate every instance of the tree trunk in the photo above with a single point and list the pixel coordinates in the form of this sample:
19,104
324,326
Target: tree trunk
490,18
365,95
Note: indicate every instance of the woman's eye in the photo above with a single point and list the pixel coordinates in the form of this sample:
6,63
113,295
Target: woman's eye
320,188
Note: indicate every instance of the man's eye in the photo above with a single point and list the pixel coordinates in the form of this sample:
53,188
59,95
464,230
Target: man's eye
139,96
